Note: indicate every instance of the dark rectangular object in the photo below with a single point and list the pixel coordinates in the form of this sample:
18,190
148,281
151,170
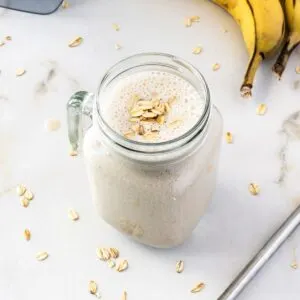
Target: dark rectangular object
43,7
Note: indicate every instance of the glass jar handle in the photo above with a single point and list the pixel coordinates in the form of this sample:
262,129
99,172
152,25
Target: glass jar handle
79,105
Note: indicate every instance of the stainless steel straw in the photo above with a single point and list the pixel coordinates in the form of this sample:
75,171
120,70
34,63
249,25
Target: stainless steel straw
263,255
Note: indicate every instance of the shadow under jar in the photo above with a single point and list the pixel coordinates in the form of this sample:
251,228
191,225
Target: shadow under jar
152,190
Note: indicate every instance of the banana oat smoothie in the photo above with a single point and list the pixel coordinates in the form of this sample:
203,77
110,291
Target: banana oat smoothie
152,157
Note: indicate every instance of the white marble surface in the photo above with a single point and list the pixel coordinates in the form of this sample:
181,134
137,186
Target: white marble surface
236,224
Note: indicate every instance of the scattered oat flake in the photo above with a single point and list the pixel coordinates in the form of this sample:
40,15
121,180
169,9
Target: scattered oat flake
103,254
93,287
261,109
111,263
155,102
175,123
160,120
76,42
73,215
216,67
294,265
123,265
137,113
28,195
197,50
124,295
149,115
198,288
134,120
157,112
188,22
229,138
129,134
179,266
65,4
52,125
21,189
167,107
116,27
141,130
20,72
118,46
145,107
114,252
40,256
73,153
8,38
195,18
2,43
27,234
297,70
24,201
254,189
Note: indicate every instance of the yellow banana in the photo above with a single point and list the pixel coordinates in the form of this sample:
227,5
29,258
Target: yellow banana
292,10
263,27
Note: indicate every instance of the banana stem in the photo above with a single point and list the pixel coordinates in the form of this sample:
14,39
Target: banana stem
283,58
253,65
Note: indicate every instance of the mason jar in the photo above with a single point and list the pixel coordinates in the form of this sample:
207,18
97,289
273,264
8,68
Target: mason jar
155,193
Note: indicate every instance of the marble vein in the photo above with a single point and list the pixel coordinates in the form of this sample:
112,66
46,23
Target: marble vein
290,131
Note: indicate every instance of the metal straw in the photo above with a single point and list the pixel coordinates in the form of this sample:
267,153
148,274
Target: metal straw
263,255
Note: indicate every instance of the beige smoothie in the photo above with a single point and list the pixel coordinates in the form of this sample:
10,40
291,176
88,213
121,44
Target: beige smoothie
156,198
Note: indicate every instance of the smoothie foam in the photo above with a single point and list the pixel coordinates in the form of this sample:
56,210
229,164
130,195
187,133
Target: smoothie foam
186,105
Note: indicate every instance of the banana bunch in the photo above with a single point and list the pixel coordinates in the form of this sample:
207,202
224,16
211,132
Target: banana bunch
292,10
262,23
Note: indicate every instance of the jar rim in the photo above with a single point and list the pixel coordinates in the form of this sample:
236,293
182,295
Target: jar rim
146,147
